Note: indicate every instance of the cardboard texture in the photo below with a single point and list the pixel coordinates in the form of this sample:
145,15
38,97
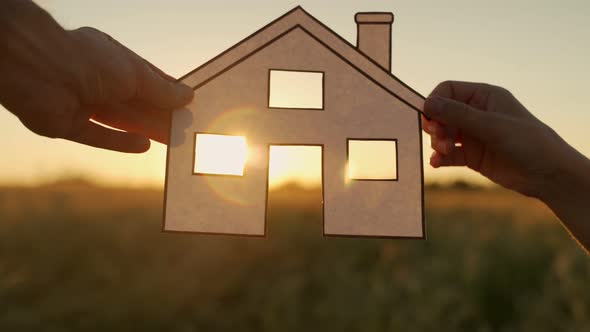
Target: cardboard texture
361,101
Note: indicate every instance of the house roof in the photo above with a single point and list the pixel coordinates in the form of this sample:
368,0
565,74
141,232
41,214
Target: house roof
298,18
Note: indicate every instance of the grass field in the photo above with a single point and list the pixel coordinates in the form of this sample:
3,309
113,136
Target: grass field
75,257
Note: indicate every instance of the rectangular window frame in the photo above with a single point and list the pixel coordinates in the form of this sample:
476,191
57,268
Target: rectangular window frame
297,108
194,162
348,178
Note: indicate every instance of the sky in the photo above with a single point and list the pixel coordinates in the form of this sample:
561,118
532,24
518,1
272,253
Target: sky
537,49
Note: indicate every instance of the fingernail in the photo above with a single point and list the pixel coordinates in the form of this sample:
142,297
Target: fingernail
433,105
184,92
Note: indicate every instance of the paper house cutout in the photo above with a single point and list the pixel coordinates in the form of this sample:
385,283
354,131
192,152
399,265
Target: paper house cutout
360,101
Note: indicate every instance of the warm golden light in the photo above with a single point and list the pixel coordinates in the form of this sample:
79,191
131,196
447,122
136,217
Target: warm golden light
297,164
372,160
220,154
292,89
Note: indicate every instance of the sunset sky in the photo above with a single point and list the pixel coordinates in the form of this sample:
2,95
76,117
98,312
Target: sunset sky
537,49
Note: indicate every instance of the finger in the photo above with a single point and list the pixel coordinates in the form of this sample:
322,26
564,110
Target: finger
460,91
436,129
433,128
454,159
153,124
436,159
95,135
159,71
454,114
443,146
159,92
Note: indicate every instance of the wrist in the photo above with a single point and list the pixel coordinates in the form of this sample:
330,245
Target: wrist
569,180
37,49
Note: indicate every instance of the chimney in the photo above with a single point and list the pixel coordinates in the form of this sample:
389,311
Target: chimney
374,36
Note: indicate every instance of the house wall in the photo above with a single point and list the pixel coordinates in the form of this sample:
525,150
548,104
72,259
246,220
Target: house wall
235,103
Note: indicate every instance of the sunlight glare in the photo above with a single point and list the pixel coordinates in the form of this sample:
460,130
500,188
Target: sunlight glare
220,154
295,164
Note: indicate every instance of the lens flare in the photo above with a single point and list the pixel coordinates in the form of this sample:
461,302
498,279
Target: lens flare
233,157
220,154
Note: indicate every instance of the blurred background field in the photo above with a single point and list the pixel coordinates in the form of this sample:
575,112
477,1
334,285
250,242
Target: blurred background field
80,257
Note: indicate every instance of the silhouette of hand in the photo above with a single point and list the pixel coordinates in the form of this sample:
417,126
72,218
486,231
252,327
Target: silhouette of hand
57,81
485,128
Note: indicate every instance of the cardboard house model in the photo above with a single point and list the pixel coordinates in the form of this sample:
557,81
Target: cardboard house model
296,82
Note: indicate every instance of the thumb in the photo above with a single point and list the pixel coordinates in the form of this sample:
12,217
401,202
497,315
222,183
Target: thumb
481,124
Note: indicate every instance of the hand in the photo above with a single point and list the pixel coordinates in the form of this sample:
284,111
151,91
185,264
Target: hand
486,129
57,81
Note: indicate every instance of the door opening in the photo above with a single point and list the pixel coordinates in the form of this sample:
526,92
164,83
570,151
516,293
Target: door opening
295,187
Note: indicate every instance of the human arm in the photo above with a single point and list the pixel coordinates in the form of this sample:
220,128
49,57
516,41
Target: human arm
59,83
487,129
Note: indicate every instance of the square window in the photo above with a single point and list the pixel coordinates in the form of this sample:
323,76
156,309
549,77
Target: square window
296,89
220,154
372,159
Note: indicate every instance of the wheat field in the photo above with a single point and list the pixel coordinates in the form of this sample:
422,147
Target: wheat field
79,257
